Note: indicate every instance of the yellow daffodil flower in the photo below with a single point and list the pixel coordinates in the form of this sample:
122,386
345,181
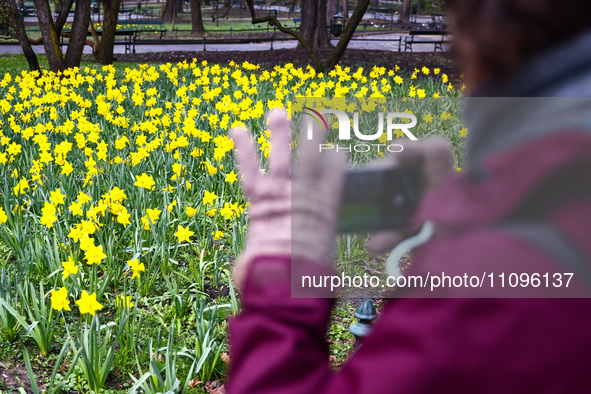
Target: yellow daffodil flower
183,234
59,299
88,303
70,268
136,267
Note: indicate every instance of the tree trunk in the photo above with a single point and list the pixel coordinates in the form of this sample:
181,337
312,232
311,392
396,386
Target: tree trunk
111,12
19,28
332,8
405,11
337,53
78,34
313,26
196,17
66,5
346,8
171,10
50,36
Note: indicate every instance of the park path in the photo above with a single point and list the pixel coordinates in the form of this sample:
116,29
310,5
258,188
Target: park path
358,42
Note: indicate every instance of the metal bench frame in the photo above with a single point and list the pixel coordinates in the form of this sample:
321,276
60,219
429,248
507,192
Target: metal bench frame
128,41
162,30
410,40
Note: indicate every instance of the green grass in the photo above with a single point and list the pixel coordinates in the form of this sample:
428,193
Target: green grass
9,63
341,341
227,24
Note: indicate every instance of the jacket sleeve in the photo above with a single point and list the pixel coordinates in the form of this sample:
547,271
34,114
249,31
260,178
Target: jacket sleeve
278,343
418,345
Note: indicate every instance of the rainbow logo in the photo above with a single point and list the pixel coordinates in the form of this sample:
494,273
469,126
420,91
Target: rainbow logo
317,117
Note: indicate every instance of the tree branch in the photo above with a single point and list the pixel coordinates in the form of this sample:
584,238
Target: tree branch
225,14
21,34
63,15
95,45
360,9
285,30
38,41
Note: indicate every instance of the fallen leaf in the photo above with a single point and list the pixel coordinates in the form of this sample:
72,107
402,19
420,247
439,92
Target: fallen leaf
193,382
215,387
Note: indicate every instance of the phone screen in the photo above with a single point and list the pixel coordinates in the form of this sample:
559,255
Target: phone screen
378,199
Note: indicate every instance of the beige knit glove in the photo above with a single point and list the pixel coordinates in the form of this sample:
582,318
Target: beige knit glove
290,214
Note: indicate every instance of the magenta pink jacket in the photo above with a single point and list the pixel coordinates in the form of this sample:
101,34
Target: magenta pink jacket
523,170
451,345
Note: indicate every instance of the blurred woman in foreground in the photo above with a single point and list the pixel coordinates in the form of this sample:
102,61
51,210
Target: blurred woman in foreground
522,205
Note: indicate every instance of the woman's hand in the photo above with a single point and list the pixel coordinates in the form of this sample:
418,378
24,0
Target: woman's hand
290,214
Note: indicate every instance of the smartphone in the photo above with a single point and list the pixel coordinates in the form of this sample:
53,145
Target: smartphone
376,199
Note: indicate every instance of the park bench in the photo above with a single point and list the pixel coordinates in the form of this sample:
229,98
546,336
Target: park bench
127,38
297,22
57,12
399,39
414,37
27,9
158,24
383,11
126,11
438,21
144,9
5,29
122,37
